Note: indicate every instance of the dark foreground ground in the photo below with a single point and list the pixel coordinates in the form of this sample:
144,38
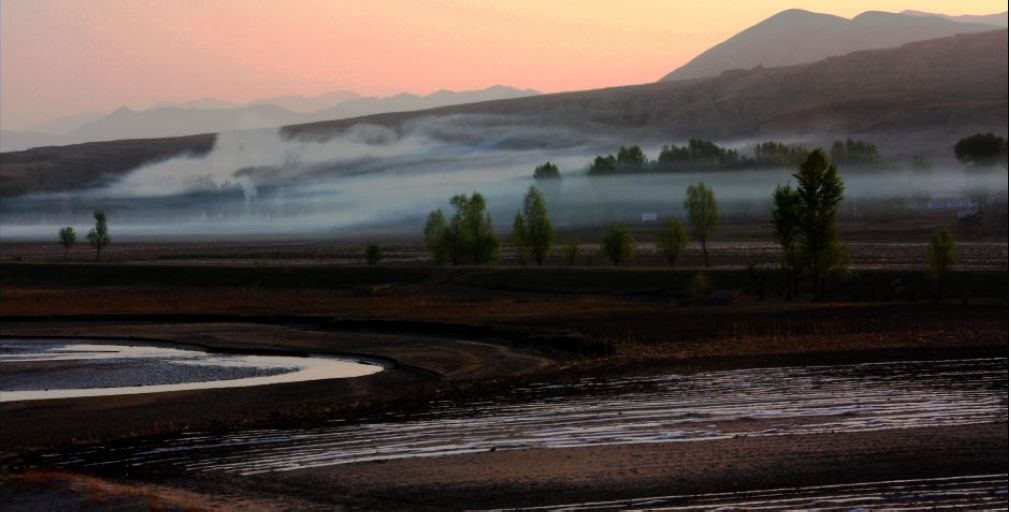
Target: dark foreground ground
457,334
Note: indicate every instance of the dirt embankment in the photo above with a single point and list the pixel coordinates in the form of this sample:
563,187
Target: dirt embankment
575,475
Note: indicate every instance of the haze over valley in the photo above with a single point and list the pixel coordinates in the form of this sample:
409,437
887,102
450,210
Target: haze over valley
385,171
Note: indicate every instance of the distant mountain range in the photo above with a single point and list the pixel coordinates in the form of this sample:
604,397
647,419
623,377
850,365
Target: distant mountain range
796,36
919,97
208,115
998,19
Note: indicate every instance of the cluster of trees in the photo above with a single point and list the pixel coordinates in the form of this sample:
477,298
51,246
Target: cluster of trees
546,171
467,237
982,150
777,154
855,152
98,237
618,244
705,154
629,160
698,153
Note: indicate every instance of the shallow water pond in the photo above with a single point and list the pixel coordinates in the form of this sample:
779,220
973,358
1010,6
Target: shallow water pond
40,369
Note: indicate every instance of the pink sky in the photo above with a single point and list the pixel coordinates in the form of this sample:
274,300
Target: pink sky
61,57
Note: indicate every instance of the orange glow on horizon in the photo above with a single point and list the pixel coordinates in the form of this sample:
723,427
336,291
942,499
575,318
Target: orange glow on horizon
64,57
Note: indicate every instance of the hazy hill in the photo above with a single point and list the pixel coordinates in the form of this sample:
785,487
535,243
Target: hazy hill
65,124
944,88
407,102
796,37
208,115
998,19
174,121
312,103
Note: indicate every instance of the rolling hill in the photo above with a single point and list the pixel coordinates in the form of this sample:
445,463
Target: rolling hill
999,19
796,36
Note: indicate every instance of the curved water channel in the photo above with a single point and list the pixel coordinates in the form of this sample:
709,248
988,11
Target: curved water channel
589,412
41,369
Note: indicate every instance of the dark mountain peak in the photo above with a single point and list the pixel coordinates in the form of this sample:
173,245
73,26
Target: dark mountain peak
796,36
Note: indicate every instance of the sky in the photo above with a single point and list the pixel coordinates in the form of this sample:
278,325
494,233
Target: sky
61,57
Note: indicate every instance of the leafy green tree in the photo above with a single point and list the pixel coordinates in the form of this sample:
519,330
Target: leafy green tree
820,191
703,213
671,240
373,253
774,153
570,252
786,224
940,256
618,245
631,159
855,152
533,228
982,150
546,171
603,165
99,237
437,236
473,239
698,153
67,239
519,239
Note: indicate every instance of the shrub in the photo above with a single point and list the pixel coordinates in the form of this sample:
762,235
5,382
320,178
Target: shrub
671,240
940,256
373,253
618,245
570,252
700,285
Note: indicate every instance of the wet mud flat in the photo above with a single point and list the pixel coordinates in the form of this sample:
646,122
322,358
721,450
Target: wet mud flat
723,404
972,492
883,434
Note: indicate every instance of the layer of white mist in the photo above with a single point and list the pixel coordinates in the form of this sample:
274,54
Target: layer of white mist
377,178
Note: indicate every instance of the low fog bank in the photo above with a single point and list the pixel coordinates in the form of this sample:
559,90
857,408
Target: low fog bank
377,179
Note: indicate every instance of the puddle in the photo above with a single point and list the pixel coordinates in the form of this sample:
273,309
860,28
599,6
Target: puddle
590,412
976,492
41,369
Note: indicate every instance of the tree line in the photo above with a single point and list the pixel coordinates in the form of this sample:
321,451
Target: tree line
976,151
700,154
803,216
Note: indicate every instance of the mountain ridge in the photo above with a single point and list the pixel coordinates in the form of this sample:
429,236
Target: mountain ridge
797,36
168,119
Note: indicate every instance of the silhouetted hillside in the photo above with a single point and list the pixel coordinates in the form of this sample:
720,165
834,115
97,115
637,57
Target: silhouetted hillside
797,37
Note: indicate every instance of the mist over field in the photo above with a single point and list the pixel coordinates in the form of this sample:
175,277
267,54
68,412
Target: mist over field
373,178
